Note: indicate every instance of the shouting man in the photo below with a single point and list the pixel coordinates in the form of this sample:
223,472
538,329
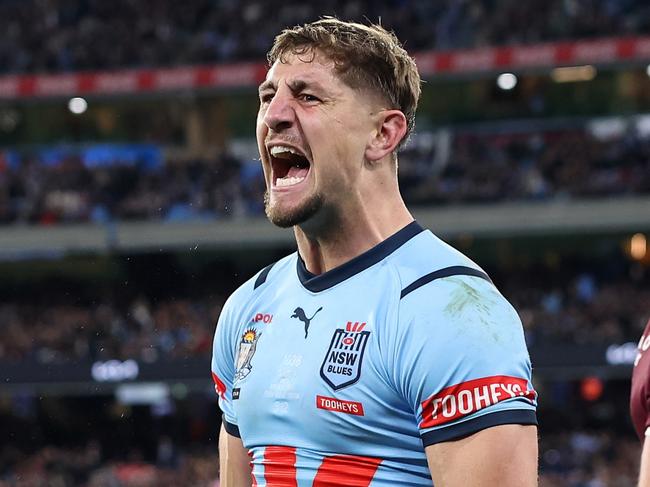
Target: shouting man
414,369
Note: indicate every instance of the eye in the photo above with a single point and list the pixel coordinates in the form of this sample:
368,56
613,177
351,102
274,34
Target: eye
308,97
266,97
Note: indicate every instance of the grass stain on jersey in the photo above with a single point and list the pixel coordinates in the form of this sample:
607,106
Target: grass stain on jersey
467,300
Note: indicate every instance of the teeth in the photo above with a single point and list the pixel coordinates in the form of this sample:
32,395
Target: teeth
289,181
281,149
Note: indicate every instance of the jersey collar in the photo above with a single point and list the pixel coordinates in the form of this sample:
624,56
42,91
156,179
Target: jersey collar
320,282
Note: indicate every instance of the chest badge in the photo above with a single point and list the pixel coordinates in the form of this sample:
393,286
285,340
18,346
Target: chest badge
247,348
342,364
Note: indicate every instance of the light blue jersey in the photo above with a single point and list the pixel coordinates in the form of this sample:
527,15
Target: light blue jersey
344,378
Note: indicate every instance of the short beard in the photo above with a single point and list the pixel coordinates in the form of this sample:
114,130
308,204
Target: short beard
296,216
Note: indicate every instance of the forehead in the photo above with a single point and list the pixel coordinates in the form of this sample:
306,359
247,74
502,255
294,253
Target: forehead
307,68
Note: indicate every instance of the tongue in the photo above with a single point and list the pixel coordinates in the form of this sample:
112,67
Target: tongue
297,172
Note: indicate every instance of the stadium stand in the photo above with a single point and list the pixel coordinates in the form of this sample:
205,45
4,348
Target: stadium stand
60,36
437,168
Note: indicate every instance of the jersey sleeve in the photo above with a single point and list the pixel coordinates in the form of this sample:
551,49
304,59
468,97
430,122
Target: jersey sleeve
223,366
461,361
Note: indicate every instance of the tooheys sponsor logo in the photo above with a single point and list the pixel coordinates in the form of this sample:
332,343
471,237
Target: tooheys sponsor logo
466,398
339,406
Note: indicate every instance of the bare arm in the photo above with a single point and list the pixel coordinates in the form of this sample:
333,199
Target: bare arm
502,455
644,475
234,463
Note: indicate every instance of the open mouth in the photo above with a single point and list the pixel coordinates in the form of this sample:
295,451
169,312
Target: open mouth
290,167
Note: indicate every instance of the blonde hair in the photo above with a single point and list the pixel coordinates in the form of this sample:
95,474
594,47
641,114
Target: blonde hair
364,56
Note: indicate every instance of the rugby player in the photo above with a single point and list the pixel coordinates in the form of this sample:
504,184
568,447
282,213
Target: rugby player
376,355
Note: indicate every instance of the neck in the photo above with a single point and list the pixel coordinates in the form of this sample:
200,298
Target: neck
350,233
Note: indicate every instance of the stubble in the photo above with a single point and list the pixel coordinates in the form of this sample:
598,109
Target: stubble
284,218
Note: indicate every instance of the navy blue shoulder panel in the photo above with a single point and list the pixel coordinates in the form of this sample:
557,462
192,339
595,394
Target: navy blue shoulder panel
261,278
456,270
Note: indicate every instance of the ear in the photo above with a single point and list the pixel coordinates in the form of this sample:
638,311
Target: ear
390,128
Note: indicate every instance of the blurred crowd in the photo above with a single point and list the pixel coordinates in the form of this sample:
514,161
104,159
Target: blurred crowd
67,467
580,458
536,165
560,307
584,309
142,330
69,191
63,35
586,458
435,168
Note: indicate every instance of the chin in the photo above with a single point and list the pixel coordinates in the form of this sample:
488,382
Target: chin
289,217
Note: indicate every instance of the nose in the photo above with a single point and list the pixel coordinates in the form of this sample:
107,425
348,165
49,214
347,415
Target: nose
279,113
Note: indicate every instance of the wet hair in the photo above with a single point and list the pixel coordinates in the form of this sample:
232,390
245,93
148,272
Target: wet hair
364,56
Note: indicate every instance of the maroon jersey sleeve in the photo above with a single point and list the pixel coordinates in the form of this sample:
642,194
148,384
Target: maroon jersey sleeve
639,395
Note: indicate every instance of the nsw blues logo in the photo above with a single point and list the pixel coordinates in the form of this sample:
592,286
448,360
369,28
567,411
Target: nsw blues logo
342,364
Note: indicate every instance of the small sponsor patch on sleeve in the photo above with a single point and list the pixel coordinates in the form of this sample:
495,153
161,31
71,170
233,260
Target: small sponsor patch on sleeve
463,399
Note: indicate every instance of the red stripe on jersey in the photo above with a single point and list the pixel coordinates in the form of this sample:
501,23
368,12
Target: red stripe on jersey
348,470
219,386
463,399
253,479
280,466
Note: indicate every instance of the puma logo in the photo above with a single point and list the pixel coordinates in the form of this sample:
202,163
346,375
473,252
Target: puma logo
300,314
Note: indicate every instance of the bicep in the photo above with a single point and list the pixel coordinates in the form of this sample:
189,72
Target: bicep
234,462
503,455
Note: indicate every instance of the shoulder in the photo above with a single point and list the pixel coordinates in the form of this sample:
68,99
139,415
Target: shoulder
440,285
264,280
457,301
426,259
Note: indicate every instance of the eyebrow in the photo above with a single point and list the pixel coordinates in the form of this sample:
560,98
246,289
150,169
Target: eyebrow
295,85
298,85
268,84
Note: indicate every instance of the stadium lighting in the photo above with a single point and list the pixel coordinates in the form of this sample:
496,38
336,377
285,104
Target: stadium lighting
638,246
647,70
506,81
591,388
571,74
77,105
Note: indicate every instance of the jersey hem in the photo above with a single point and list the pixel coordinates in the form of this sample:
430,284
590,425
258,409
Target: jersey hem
466,428
231,429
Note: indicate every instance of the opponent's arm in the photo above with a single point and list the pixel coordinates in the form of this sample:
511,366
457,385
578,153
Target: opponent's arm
644,474
504,455
234,462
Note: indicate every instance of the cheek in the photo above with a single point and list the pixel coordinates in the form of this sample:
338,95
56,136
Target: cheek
350,143
261,130
260,127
